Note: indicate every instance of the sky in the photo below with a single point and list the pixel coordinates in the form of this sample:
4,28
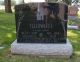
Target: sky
1,0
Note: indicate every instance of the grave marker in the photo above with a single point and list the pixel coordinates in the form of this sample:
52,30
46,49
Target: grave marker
35,26
42,29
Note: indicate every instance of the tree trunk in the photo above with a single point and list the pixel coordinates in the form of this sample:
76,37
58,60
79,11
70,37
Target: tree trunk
8,6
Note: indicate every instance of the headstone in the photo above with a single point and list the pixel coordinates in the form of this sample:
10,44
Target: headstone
72,12
41,23
41,29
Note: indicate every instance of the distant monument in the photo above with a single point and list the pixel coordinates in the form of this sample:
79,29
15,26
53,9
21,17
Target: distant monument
73,10
42,29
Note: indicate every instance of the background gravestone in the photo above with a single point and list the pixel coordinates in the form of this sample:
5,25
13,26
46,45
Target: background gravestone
41,23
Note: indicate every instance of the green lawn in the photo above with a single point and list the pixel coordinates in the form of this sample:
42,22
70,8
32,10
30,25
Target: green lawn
7,36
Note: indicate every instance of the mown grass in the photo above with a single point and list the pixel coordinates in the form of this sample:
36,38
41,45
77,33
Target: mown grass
79,14
7,28
8,35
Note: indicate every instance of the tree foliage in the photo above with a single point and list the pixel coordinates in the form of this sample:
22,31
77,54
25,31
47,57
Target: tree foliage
68,1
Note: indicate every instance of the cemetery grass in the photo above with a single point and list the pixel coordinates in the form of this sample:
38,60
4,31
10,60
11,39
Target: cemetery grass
8,35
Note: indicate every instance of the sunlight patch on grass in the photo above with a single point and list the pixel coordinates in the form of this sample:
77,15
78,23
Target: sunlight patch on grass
77,52
74,41
79,14
3,27
70,33
74,36
14,32
9,35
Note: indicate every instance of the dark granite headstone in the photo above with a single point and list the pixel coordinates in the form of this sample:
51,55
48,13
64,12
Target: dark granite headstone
41,23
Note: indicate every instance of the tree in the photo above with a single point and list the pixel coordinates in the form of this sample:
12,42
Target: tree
8,6
68,1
